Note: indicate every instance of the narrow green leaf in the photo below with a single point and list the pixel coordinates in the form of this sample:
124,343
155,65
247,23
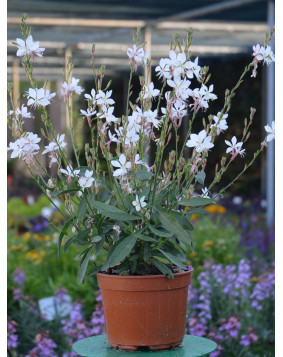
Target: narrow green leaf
183,220
146,251
96,239
196,202
162,267
172,259
113,212
200,177
173,226
63,233
81,209
145,238
197,211
122,249
159,232
144,175
84,264
94,270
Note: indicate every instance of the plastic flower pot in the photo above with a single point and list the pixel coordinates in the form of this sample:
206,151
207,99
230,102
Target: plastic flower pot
145,312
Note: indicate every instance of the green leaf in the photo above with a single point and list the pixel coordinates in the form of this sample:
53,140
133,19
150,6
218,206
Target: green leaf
145,238
158,232
94,270
196,202
78,238
81,209
172,259
162,267
99,246
113,212
183,220
200,177
63,233
146,251
121,250
197,211
144,174
64,191
84,264
96,239
173,226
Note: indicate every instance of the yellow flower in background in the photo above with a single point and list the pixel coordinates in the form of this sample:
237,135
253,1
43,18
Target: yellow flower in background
215,209
35,256
19,248
208,244
228,256
39,238
193,255
26,237
254,279
195,216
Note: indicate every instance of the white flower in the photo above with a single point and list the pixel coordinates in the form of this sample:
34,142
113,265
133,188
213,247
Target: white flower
181,87
150,92
25,147
206,93
193,69
178,63
234,148
205,193
49,95
137,160
29,47
53,145
31,142
151,117
220,124
179,109
70,171
134,120
104,99
36,97
108,115
122,166
17,148
46,212
23,112
88,113
271,131
139,203
200,141
86,180
68,89
263,53
113,137
136,54
163,70
92,96
131,137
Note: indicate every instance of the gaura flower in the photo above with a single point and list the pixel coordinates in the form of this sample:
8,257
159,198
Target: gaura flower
122,166
139,203
200,141
270,131
28,47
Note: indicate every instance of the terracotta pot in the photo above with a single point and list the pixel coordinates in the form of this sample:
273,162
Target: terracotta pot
144,312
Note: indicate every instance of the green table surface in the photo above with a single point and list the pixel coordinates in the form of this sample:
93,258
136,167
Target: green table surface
97,346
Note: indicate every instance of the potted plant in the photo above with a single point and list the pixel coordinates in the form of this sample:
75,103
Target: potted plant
130,215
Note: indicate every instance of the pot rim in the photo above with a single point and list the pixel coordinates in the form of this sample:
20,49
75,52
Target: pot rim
143,276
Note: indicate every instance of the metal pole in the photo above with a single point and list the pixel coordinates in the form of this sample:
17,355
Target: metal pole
270,114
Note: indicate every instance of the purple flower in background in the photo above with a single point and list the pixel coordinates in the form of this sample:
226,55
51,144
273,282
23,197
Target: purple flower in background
246,340
19,277
17,294
231,327
44,346
61,294
12,338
